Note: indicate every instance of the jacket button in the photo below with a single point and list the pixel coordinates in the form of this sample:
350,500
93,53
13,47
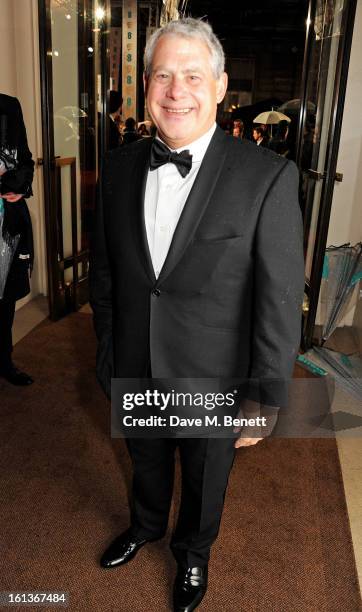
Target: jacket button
156,292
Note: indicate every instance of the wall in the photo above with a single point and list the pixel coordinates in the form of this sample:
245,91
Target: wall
20,77
346,218
7,49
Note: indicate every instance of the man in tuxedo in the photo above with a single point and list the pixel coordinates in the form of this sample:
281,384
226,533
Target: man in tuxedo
196,272
115,112
260,137
16,176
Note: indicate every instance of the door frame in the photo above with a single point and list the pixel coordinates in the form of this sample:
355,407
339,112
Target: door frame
330,169
63,297
46,71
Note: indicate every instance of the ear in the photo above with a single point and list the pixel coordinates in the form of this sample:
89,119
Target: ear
221,87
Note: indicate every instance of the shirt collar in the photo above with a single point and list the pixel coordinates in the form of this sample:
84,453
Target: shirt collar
198,147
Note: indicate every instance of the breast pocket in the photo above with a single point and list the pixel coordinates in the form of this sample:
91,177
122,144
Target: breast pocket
217,239
210,264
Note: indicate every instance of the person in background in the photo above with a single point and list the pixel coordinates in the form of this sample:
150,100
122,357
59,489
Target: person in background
16,176
260,137
279,142
238,129
142,130
153,130
115,113
129,133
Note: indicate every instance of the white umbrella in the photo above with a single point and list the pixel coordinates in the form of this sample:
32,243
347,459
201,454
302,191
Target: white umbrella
294,105
271,118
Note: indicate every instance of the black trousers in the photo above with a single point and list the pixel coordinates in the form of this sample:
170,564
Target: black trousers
7,311
205,466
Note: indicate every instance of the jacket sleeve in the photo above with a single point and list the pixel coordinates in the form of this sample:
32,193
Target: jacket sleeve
20,179
278,287
100,284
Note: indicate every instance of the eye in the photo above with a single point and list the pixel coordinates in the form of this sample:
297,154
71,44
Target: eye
194,78
161,77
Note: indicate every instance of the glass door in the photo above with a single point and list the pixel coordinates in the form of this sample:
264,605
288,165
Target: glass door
69,33
328,43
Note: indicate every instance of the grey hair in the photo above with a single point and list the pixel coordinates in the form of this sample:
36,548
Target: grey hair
188,27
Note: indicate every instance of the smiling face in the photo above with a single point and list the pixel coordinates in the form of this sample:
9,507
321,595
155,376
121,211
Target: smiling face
182,93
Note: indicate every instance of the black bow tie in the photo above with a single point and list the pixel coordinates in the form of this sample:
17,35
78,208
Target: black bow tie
160,154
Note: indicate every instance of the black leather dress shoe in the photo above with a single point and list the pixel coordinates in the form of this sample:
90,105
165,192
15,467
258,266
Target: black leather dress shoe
15,377
189,589
122,550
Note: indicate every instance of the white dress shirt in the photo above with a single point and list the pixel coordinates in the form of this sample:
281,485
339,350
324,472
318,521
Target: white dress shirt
165,197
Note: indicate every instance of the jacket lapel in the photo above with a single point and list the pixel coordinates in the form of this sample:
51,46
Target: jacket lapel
197,201
140,180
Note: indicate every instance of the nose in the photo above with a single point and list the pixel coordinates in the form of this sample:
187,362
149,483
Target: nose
176,88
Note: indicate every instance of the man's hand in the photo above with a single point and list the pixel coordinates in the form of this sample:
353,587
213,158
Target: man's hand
252,434
246,442
12,197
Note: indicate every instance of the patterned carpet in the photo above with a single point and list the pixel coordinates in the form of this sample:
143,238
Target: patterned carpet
284,544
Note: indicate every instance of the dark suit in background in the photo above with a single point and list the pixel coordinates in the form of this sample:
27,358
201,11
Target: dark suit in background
115,111
114,136
16,221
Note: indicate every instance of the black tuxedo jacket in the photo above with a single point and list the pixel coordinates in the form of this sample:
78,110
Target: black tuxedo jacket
17,218
228,299
114,137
